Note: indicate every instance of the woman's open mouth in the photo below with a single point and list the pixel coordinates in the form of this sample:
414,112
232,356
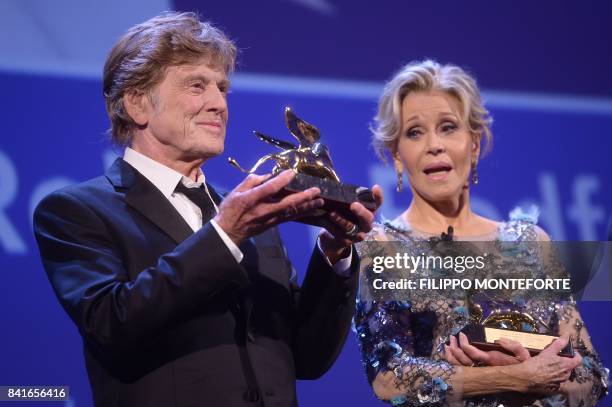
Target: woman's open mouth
437,171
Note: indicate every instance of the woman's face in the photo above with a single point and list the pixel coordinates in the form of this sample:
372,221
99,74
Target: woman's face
435,145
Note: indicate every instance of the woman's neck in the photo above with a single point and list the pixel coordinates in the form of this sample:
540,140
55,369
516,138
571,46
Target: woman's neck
434,217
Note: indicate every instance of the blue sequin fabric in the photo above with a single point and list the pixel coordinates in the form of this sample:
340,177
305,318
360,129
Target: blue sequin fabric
402,341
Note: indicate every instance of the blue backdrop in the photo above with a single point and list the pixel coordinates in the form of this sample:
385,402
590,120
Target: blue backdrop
552,105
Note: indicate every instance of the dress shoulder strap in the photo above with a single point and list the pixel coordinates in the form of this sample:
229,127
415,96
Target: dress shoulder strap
521,226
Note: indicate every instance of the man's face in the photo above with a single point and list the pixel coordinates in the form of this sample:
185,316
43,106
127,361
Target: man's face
187,112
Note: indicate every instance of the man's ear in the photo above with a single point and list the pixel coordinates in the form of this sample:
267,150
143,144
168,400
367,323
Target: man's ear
136,106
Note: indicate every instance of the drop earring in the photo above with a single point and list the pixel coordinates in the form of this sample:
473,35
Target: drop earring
400,183
399,171
475,173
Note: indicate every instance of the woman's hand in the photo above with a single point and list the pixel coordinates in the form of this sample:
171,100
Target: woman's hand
462,353
544,373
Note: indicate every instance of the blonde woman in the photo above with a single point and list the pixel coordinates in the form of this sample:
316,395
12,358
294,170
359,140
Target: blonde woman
431,122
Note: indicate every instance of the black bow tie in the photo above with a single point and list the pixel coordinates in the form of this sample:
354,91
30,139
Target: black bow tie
198,196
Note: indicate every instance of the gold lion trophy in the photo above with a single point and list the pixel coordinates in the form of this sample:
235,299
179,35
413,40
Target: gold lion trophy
311,161
502,320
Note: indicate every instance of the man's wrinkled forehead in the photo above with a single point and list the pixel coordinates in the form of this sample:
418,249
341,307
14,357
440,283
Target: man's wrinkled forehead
202,68
212,60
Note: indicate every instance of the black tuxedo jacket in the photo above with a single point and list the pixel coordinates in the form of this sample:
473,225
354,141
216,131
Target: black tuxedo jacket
168,317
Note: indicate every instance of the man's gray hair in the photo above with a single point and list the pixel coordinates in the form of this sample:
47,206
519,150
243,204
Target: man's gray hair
138,61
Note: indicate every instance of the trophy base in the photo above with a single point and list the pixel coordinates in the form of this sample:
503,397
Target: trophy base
337,196
484,338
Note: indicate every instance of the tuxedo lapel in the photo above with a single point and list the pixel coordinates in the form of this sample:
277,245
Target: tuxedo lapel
144,197
148,200
214,194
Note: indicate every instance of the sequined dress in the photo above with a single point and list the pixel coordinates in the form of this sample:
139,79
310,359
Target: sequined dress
406,336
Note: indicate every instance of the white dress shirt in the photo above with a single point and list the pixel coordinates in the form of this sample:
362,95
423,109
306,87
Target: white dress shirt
166,179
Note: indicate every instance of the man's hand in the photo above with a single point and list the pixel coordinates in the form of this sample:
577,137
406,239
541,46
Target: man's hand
254,206
462,353
336,239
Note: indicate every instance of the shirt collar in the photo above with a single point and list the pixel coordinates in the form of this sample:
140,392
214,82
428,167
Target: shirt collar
164,178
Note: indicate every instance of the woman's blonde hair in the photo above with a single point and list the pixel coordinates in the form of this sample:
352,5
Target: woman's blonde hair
423,76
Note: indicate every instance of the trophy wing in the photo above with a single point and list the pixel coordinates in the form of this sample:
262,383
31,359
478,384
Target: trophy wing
283,145
304,132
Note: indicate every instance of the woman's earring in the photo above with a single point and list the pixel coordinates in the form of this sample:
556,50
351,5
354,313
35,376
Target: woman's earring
475,173
400,183
399,170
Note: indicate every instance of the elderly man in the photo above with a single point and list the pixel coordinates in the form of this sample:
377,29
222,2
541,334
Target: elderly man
184,298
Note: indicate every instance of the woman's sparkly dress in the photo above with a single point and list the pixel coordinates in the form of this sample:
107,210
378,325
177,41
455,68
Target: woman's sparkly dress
405,336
